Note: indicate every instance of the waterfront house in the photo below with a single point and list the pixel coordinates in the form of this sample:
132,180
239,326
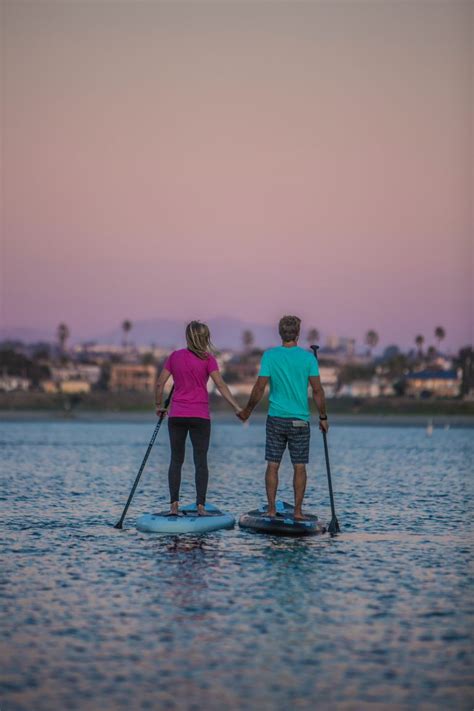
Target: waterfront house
74,387
437,383
127,377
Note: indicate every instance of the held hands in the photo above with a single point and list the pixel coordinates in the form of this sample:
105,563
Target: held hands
244,414
161,411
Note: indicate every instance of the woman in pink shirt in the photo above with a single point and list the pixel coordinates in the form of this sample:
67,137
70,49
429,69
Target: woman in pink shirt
191,368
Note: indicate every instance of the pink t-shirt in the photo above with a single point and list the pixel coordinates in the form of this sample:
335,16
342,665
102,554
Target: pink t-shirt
190,376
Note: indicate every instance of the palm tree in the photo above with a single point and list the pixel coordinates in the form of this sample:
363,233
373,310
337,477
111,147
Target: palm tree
431,353
126,328
63,334
371,340
248,339
440,334
313,336
419,340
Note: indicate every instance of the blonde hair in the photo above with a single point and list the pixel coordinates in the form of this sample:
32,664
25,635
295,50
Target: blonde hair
198,339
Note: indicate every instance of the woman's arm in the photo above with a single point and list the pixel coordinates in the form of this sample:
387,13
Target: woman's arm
160,386
224,390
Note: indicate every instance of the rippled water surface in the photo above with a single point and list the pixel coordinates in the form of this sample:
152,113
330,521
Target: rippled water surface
379,617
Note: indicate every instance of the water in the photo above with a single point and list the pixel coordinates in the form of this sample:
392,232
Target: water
94,618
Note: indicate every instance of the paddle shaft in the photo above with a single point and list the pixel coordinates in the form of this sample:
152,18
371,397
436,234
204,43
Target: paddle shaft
334,525
119,524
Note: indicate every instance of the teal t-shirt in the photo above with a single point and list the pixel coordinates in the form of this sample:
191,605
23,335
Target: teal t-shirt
289,370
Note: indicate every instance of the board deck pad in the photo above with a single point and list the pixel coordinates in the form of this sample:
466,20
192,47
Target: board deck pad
186,521
283,524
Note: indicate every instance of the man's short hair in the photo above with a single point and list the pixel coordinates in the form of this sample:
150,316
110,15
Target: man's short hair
289,328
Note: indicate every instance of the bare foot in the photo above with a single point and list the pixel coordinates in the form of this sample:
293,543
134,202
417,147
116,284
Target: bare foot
271,512
174,509
299,516
202,511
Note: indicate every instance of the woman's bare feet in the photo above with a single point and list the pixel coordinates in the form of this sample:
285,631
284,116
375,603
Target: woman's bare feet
202,511
174,509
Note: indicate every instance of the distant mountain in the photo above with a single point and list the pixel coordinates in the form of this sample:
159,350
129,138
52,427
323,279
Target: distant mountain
226,332
27,335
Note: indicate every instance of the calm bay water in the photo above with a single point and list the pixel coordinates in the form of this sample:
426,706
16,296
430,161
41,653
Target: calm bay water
379,617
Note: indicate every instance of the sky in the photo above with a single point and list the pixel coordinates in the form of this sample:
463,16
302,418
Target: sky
196,159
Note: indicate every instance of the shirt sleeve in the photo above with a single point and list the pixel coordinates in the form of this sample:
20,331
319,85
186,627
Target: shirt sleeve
265,366
212,365
313,367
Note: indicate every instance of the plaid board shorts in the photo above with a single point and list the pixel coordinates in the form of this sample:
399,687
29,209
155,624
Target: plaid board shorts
283,431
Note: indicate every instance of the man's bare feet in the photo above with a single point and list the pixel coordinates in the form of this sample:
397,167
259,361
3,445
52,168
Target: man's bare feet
202,510
299,515
174,509
271,512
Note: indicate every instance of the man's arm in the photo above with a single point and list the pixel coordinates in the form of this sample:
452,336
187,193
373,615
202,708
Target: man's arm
255,397
160,386
320,400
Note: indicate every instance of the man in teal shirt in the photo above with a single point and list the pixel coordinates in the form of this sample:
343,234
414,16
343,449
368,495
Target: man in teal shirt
289,369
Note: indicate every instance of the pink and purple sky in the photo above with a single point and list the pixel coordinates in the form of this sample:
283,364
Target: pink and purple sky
193,159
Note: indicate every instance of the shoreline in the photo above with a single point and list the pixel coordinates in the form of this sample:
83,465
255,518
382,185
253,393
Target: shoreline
355,420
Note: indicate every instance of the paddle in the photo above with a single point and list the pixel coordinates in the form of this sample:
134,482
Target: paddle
334,525
119,524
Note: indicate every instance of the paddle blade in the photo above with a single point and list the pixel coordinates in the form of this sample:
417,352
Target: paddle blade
334,526
119,525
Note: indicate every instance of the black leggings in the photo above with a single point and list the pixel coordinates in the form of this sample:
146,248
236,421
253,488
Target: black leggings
200,432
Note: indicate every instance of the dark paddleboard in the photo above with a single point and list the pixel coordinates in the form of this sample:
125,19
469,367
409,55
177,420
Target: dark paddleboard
283,524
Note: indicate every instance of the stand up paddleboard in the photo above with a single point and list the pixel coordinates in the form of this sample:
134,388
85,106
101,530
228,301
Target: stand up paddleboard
186,521
283,524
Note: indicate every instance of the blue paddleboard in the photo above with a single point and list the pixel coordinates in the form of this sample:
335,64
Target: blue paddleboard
187,521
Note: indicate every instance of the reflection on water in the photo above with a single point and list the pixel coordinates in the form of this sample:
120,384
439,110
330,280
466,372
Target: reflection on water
378,617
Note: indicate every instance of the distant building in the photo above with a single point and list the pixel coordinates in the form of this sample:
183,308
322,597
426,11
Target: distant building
74,387
341,344
88,373
342,350
377,386
49,386
360,388
10,383
441,362
67,387
329,376
138,378
101,349
439,383
156,351
386,386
